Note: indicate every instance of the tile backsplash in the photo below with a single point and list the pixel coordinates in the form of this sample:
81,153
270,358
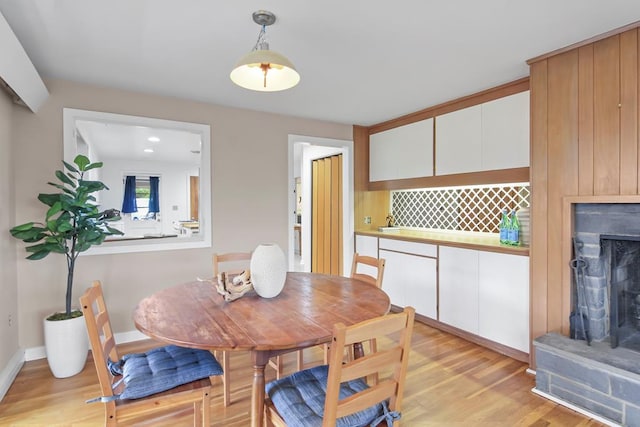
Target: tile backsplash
468,208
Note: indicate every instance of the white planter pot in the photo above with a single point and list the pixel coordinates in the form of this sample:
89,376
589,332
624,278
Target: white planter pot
67,346
268,270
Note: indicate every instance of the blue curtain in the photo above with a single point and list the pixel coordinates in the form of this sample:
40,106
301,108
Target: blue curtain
129,202
154,197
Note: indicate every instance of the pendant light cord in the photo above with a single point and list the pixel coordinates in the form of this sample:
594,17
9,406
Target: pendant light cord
261,42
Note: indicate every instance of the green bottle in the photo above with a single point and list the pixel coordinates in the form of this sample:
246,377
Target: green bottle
514,230
505,224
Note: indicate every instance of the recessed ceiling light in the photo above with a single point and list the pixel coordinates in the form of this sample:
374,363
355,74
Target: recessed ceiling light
148,150
153,139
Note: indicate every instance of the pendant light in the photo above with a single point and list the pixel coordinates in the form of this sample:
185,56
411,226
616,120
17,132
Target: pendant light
263,69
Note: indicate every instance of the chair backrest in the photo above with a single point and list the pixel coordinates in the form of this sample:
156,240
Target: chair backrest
103,345
235,257
388,361
377,263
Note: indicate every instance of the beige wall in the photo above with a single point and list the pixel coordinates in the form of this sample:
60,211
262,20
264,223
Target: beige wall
8,286
249,174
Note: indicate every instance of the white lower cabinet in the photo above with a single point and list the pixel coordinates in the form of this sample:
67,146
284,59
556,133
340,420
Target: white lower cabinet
459,288
487,294
367,245
504,299
411,280
483,293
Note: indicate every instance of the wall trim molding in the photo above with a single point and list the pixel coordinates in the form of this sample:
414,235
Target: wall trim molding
10,371
36,353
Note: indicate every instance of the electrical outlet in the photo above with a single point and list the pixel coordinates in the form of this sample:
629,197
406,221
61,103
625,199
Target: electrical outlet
367,220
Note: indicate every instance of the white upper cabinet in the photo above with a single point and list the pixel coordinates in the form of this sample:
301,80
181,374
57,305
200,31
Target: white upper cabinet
489,136
505,132
402,152
459,141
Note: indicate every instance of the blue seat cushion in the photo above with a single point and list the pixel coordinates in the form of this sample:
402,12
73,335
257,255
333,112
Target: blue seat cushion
162,369
299,399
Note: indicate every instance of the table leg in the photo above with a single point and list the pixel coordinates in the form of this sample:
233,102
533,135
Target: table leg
260,360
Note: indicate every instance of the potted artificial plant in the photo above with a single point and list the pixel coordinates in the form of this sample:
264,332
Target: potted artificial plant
73,223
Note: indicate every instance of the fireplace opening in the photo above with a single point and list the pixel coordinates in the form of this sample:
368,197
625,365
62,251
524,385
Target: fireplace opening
606,244
622,271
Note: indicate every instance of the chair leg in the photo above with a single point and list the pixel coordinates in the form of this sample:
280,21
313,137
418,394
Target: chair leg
198,414
206,409
226,378
325,350
277,364
110,422
373,348
300,359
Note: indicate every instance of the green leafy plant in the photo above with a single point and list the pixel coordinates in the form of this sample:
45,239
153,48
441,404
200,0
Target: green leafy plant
73,222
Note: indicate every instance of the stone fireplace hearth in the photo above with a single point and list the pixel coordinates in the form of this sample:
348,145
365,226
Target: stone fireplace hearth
603,378
596,379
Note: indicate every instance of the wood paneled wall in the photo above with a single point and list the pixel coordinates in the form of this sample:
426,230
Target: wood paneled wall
374,204
584,141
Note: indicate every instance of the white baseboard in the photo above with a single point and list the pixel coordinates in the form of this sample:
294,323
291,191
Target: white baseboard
131,336
575,408
10,372
35,353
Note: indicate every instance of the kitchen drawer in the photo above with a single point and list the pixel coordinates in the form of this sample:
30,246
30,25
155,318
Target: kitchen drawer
424,249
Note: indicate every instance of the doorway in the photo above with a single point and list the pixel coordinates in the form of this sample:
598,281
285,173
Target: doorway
302,151
326,215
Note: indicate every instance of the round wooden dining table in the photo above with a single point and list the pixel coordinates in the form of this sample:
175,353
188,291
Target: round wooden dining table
194,315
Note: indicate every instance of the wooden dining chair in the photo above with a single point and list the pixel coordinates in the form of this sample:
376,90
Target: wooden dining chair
364,260
238,261
359,261
145,385
302,396
376,263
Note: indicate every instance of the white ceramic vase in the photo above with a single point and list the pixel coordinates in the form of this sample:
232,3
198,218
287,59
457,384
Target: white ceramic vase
268,270
67,346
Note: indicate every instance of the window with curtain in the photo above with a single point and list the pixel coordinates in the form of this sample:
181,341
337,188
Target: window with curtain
142,197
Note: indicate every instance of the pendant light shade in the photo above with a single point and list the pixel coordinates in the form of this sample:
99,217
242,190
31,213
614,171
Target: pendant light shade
262,69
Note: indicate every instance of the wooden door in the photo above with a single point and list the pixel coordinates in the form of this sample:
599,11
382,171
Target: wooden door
194,197
326,215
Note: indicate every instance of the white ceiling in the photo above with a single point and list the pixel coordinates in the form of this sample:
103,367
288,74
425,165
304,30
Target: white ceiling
361,61
117,141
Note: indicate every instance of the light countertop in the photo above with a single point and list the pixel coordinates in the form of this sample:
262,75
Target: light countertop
479,241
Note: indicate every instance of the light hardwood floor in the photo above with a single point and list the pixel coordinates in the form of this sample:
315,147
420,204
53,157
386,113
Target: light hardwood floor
451,382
